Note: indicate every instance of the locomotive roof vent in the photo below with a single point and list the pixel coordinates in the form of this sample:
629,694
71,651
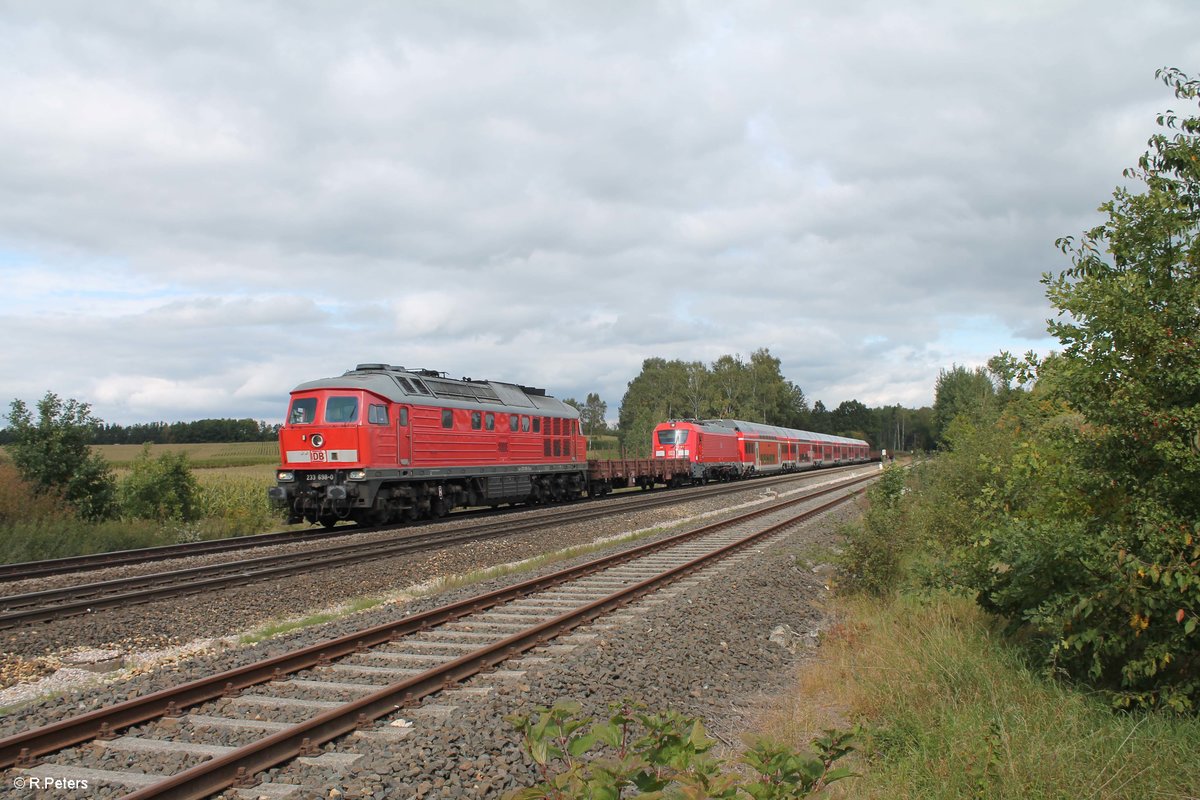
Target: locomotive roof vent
532,391
365,367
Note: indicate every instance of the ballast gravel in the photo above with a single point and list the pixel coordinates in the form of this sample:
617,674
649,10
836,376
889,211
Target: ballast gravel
714,647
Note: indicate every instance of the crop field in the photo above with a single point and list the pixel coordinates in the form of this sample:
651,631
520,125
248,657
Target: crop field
200,456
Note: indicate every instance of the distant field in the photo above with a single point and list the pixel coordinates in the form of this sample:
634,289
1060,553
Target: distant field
201,456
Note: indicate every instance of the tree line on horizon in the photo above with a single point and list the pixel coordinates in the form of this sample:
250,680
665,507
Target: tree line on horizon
201,431
729,388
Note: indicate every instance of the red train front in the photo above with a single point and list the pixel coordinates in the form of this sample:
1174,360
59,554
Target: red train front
383,443
713,451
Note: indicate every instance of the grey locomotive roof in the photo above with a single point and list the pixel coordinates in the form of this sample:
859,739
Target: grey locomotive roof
775,430
402,385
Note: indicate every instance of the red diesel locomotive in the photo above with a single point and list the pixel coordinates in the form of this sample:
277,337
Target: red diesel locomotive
384,443
722,449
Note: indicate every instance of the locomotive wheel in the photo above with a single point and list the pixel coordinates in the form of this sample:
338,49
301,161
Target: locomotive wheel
328,521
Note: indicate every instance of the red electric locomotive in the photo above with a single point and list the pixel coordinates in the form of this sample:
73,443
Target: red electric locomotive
384,443
712,450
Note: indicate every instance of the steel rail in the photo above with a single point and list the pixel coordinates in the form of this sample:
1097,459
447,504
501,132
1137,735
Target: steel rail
242,764
20,749
27,570
51,604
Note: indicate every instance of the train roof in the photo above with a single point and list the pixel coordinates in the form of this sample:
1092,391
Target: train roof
774,430
401,385
769,429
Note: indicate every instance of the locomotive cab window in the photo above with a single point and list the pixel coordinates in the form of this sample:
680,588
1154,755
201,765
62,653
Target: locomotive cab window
447,418
673,436
403,421
377,415
304,411
341,409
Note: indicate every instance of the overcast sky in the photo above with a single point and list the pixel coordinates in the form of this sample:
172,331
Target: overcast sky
203,204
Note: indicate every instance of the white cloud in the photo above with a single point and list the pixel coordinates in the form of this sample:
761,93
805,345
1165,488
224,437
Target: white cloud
202,205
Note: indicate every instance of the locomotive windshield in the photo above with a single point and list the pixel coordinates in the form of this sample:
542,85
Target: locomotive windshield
341,409
672,436
304,411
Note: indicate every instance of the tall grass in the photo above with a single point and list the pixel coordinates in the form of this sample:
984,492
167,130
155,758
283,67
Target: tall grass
35,527
951,710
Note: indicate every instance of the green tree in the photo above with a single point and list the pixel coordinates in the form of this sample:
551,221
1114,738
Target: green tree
658,393
53,453
592,415
819,419
729,388
797,414
852,418
962,391
1129,323
1073,508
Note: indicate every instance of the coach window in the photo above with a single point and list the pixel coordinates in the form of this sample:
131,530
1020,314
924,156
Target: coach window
476,420
525,424
489,421
377,415
514,423
341,409
537,424
304,411
447,418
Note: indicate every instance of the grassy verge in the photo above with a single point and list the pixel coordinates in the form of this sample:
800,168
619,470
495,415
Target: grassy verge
951,710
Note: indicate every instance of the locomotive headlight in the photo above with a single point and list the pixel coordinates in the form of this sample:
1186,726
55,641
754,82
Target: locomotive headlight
357,475
284,476
317,440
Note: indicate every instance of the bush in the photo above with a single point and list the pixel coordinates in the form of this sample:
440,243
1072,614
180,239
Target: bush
876,546
663,755
161,488
53,454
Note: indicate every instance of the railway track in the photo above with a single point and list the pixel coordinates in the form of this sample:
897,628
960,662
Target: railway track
51,604
73,564
415,657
